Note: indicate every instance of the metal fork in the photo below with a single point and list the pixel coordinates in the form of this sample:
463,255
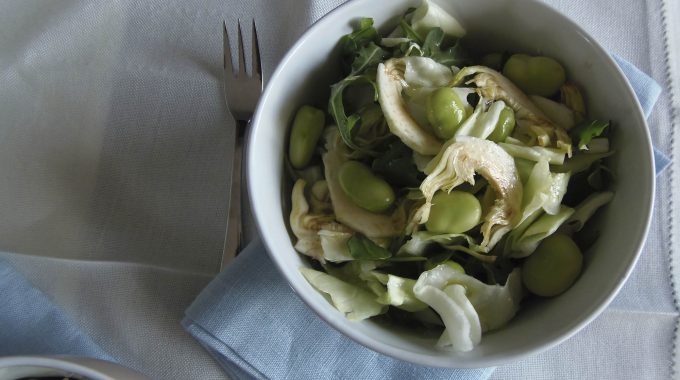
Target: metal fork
241,93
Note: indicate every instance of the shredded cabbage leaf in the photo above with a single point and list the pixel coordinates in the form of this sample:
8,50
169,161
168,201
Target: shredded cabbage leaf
544,190
483,121
421,240
398,292
534,153
541,228
466,305
586,209
334,245
558,113
353,301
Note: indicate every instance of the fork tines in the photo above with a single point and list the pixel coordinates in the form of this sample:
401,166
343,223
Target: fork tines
256,66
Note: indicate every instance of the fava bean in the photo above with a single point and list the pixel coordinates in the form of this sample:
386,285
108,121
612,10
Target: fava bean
504,126
453,213
307,127
364,188
553,267
445,111
535,75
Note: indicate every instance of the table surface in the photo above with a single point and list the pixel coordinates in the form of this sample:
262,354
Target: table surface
114,172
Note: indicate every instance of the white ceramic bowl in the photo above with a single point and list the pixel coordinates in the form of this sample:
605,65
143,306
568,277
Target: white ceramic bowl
15,367
304,77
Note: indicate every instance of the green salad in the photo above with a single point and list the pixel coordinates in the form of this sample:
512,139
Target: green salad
438,187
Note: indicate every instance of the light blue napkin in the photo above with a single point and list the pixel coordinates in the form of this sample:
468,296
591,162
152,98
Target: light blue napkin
256,327
30,323
647,92
250,320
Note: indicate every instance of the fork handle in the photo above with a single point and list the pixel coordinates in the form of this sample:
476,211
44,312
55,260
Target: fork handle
234,235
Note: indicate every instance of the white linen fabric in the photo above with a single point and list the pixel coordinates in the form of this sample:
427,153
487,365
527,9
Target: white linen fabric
114,171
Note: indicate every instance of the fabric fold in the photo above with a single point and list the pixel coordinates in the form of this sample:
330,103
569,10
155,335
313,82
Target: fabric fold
31,324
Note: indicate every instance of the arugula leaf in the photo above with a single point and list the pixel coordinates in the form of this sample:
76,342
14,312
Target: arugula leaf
406,49
397,166
336,107
360,53
452,56
407,259
362,35
367,57
362,248
587,131
409,32
352,45
371,118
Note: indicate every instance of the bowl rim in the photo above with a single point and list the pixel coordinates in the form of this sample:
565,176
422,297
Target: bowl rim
424,359
91,368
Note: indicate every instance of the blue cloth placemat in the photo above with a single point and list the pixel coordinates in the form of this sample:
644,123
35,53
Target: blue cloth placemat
250,320
30,323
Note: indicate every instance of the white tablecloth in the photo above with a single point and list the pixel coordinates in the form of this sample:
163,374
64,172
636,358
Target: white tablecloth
113,171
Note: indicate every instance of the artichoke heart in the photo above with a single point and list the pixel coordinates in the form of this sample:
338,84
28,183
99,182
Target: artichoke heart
531,121
458,162
391,80
309,228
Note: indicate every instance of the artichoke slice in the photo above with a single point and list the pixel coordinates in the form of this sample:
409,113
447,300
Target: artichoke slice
308,227
531,121
458,162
